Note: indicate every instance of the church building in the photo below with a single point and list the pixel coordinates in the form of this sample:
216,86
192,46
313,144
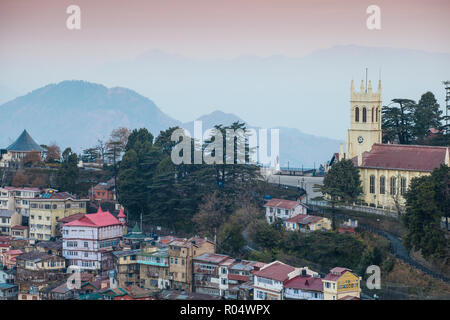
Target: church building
386,169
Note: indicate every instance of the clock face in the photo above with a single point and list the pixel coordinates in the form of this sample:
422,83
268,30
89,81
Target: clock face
360,139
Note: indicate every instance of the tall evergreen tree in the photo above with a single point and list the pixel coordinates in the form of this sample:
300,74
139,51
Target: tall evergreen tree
342,183
67,176
426,115
397,121
422,218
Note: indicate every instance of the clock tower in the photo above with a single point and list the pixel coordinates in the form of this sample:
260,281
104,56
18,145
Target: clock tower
365,119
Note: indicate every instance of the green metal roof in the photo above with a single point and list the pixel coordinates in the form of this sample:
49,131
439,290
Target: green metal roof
25,143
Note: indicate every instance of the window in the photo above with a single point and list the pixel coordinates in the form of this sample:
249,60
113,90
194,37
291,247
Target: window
382,184
356,114
372,184
376,115
393,185
403,186
372,115
364,116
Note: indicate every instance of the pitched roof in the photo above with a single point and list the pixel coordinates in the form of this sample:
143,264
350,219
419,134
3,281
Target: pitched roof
281,203
277,271
99,219
336,273
72,217
34,256
214,258
403,157
304,219
121,214
307,283
25,143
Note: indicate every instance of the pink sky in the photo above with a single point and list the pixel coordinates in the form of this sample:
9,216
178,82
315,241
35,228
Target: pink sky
113,29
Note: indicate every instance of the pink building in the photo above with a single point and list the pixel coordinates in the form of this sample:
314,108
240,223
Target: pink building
86,241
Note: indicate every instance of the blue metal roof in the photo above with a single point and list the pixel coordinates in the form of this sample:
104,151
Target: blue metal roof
25,143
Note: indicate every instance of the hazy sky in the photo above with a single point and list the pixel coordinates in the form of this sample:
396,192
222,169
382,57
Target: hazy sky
36,47
113,29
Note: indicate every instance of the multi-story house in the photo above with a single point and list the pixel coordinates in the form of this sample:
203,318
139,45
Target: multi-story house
7,276
46,210
8,219
307,223
154,267
240,279
210,273
304,287
269,281
5,243
181,254
19,232
38,269
283,209
88,240
103,191
9,258
126,268
341,283
17,199
8,291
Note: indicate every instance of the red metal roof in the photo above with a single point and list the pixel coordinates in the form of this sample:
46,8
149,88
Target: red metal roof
336,273
99,219
281,203
403,157
307,283
276,271
72,217
121,214
238,277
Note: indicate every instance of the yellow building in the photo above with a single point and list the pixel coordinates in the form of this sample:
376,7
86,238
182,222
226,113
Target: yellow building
386,169
46,210
341,284
126,268
181,254
307,223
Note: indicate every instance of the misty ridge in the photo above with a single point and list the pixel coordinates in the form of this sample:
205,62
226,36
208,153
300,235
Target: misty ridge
76,113
296,94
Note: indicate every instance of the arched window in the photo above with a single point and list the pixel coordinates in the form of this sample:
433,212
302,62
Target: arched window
373,119
382,184
377,115
364,114
393,190
372,184
356,114
403,185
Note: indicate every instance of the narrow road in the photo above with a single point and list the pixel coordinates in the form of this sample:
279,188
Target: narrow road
401,253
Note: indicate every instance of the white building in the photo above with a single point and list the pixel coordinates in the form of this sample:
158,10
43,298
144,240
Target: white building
304,287
268,282
17,199
85,240
283,209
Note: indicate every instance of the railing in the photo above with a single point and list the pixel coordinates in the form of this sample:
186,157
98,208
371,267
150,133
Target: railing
358,208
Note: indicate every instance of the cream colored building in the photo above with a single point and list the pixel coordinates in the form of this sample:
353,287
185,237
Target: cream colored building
46,210
386,169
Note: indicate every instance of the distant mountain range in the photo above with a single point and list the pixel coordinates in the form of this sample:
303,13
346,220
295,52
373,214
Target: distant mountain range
78,113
